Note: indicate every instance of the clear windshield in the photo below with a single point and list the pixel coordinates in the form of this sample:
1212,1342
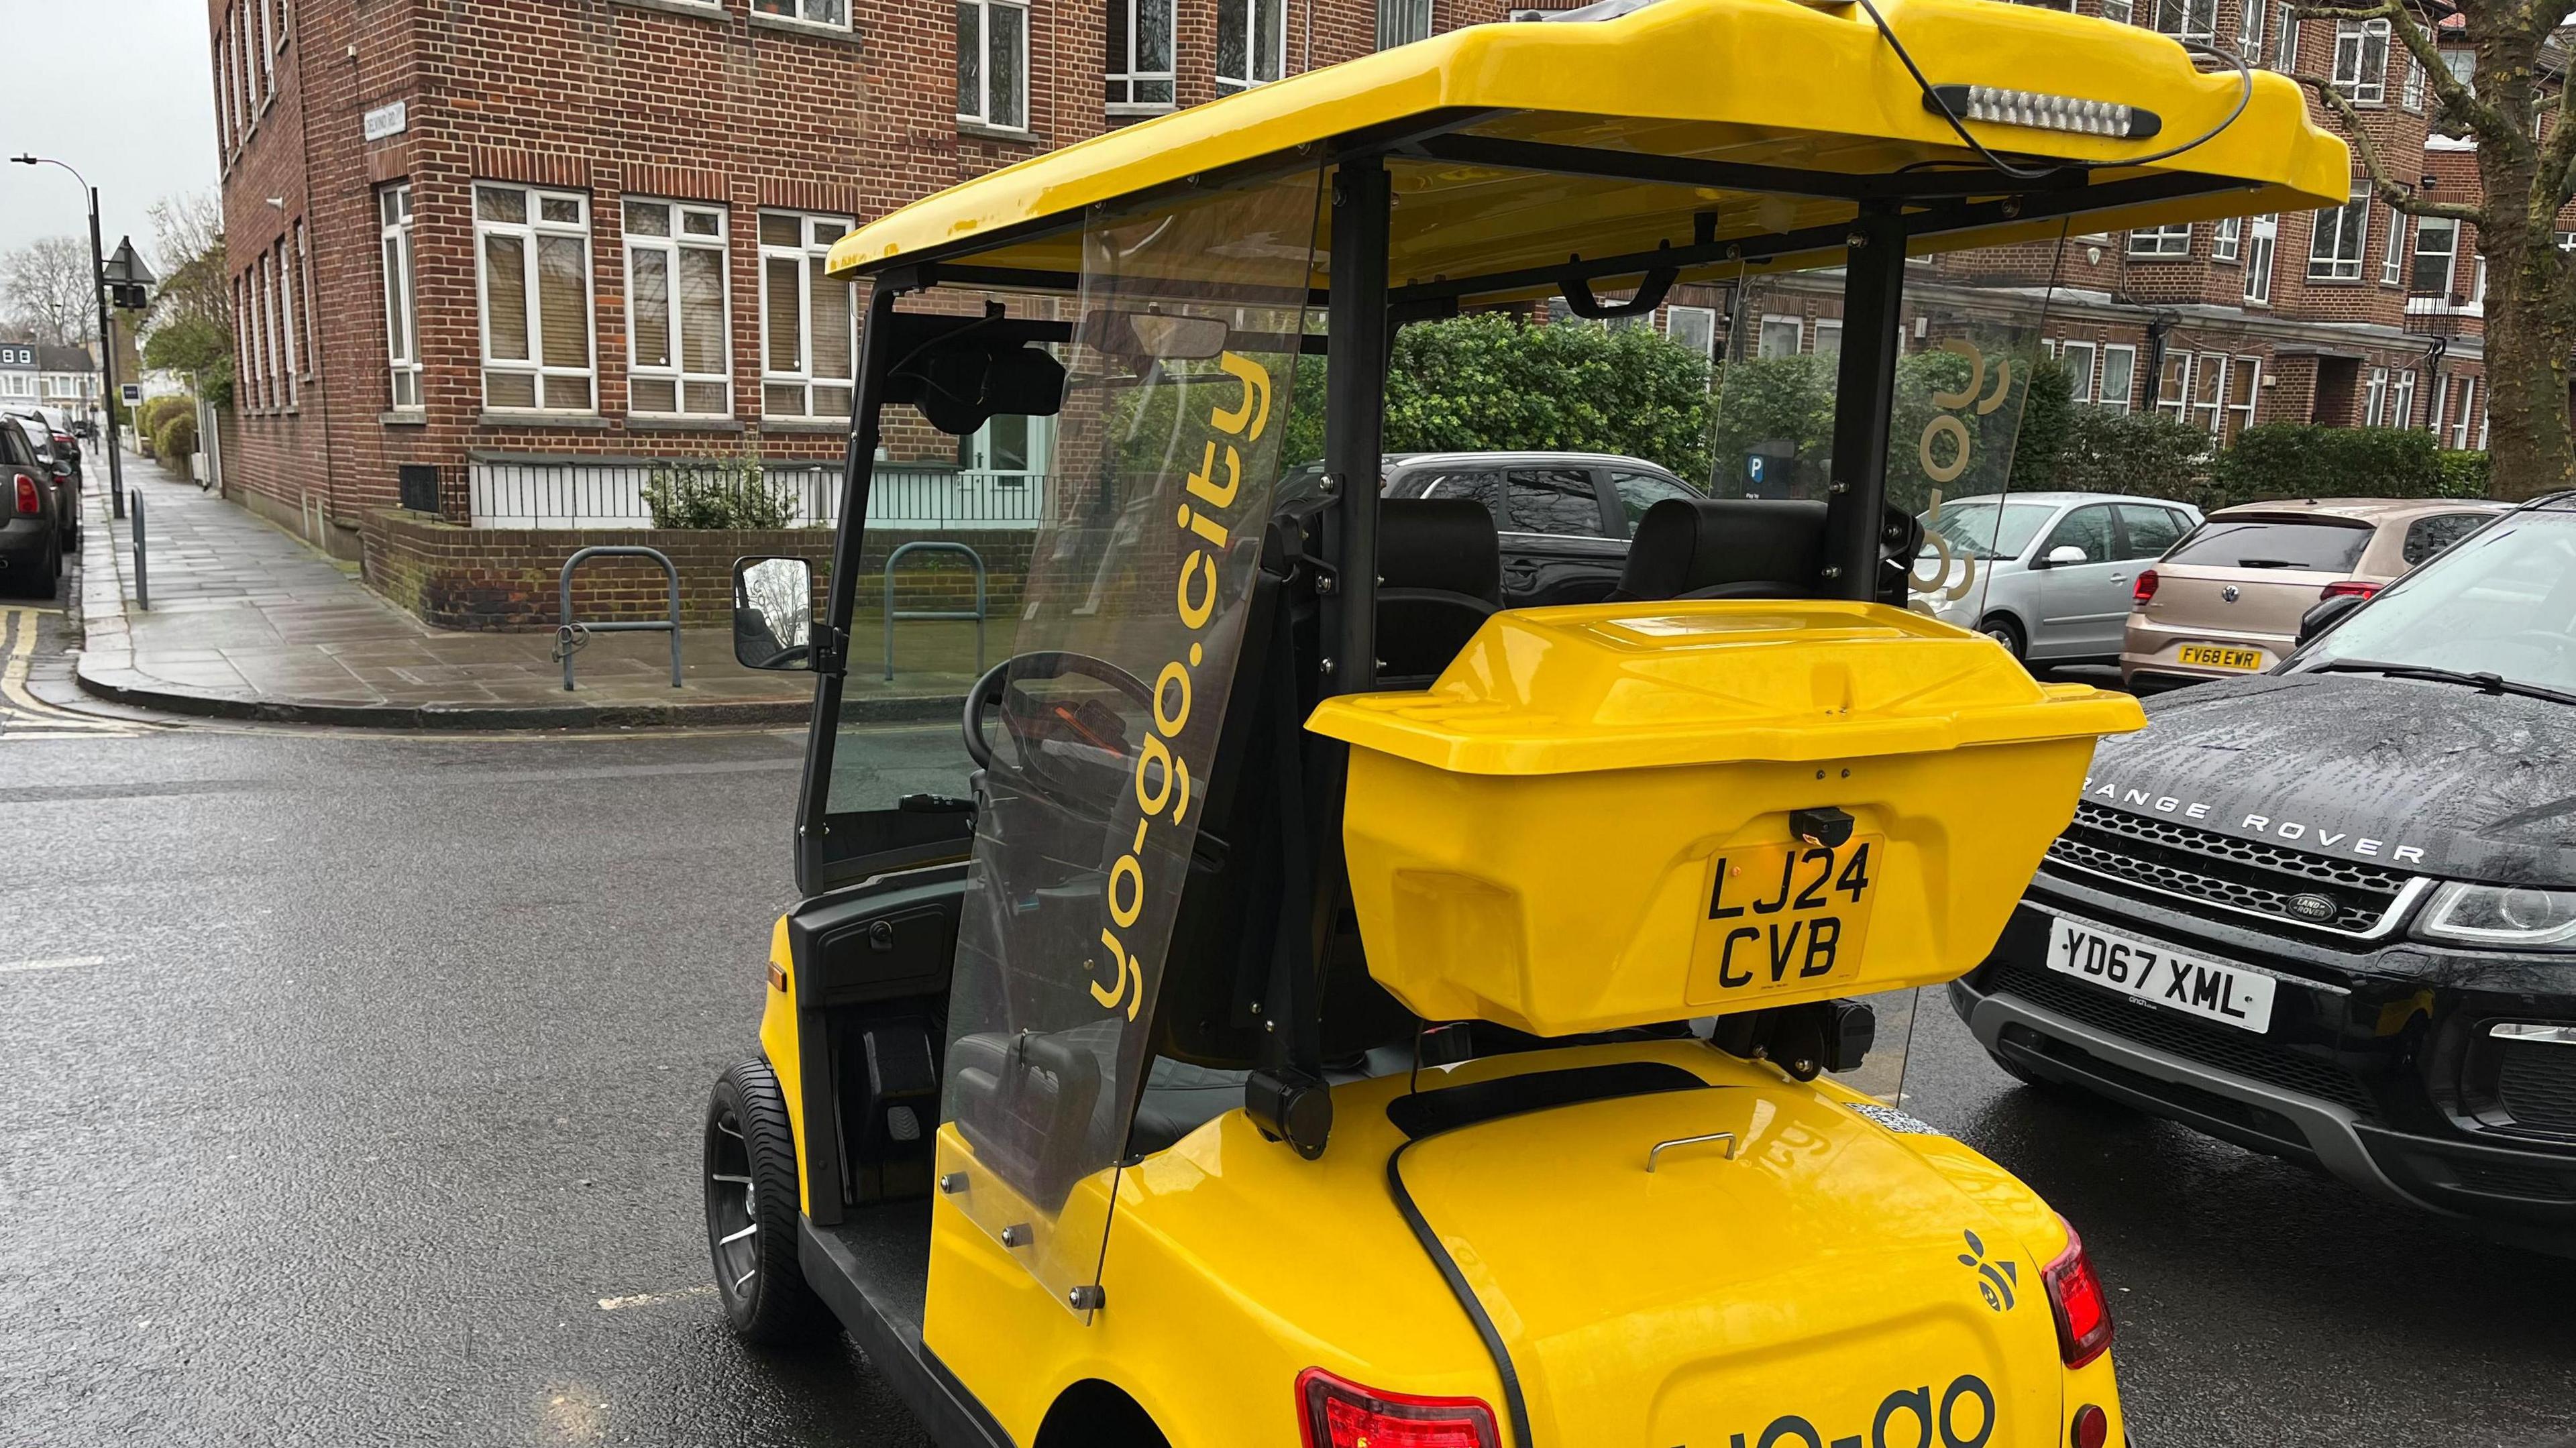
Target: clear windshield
2502,601
1123,647
1970,359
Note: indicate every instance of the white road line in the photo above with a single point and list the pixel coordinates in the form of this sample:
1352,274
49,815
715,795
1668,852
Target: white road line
59,962
648,1299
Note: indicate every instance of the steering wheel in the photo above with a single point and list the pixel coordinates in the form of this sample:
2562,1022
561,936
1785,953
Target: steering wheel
1062,785
790,655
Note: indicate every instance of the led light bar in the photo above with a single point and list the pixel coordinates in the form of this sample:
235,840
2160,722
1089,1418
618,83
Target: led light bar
2041,112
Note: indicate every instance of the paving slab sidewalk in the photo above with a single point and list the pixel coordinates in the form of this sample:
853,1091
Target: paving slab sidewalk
248,621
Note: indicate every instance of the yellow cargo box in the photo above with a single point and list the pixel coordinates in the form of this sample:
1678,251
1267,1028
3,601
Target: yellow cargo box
1619,814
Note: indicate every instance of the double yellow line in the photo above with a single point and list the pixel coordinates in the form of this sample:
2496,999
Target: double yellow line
22,714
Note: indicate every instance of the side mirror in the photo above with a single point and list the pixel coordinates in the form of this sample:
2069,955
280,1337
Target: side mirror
2326,615
2065,555
773,613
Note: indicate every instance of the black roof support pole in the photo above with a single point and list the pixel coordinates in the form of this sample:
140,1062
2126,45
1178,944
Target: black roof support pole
1865,390
1354,419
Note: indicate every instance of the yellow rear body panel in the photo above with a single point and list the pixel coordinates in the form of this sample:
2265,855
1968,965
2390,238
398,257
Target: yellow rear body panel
1816,1275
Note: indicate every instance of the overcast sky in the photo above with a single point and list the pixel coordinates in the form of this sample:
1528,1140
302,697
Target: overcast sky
131,104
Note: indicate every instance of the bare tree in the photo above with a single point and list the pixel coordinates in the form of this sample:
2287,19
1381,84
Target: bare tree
2527,175
188,236
51,294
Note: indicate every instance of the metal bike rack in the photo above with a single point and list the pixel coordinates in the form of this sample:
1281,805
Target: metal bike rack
570,635
142,582
950,614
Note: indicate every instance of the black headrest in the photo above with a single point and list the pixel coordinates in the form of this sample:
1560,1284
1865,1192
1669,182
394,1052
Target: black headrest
1687,544
1443,543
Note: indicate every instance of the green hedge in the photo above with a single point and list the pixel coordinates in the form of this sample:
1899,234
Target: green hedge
2294,460
176,438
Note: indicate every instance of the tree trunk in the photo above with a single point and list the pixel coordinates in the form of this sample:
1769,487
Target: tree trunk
2529,339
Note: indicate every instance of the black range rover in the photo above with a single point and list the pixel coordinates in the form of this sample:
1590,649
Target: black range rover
2329,912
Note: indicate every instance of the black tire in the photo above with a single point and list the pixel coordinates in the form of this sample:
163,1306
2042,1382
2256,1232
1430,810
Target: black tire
752,1210
2001,628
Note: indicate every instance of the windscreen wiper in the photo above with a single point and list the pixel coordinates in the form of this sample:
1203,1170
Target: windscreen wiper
2483,682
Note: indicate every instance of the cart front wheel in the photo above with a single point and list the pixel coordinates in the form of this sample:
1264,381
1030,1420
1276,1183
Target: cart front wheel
752,1207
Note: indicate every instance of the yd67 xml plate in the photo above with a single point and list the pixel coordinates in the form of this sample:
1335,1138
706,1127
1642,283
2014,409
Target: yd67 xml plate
1784,919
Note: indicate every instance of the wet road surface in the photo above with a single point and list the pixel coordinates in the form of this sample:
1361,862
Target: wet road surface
350,1090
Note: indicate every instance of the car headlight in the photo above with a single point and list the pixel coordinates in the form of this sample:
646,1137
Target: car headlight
2515,917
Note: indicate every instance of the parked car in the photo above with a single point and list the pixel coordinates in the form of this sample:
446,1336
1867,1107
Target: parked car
2228,599
32,540
1563,518
2048,575
58,427
2329,911
61,468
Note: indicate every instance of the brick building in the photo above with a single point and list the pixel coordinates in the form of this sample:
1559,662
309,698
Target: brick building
493,259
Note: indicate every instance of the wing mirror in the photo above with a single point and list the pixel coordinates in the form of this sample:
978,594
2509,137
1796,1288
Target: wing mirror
2064,555
773,613
2323,617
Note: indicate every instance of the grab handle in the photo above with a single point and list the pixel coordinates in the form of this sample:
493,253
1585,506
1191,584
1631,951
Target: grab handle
1663,1146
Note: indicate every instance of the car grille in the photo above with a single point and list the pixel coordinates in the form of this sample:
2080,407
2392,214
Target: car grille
2530,1183
2538,1085
2236,875
2207,1043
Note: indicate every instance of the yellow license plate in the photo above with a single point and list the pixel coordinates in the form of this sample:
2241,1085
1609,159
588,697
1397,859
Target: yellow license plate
1784,919
2211,656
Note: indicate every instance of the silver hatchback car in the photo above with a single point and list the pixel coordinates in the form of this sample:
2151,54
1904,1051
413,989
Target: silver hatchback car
2047,575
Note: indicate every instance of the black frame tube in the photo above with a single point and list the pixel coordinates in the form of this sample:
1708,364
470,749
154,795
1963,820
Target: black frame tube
1354,419
1865,394
858,474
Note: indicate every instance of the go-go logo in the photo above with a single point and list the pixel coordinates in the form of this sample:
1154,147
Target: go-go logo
1162,775
1945,449
1962,1417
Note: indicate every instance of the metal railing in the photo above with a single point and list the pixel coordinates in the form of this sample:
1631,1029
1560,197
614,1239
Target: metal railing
611,493
571,634
973,558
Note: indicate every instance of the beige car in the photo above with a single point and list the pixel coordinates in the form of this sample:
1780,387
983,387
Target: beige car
2227,599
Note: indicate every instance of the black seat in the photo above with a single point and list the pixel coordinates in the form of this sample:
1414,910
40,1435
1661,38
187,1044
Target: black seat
1726,548
1442,572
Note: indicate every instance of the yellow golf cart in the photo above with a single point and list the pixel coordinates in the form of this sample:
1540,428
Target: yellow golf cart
1302,1001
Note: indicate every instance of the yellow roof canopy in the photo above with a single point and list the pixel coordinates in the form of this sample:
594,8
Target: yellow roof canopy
1746,133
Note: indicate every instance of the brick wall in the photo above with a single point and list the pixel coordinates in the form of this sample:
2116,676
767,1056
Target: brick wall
508,580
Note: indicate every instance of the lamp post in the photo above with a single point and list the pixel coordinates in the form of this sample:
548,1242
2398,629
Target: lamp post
129,284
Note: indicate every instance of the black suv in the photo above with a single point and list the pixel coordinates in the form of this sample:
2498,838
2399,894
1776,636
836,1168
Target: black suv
2329,912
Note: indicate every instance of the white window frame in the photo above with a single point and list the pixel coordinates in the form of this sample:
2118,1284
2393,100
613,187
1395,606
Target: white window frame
2374,399
2249,41
2285,39
2179,404
2128,355
978,109
2412,97
2468,409
670,245
1250,13
2262,254
2187,19
1125,76
2401,398
267,49
1705,317
2082,389
2235,416
2227,239
2124,12
2462,63
1797,336
527,233
2482,428
808,228
2161,241
402,327
2363,83
287,356
1401,22
2441,400
2392,262
1828,327
2332,265
2215,424
821,14
304,279
2449,252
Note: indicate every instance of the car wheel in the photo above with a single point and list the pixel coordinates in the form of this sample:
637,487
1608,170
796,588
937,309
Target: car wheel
2003,630
752,1207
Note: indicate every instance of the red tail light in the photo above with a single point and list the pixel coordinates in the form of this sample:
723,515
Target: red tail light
2146,586
2350,588
29,500
1340,1414
2075,1297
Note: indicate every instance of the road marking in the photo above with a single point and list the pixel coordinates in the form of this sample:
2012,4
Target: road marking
60,962
22,712
648,1299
